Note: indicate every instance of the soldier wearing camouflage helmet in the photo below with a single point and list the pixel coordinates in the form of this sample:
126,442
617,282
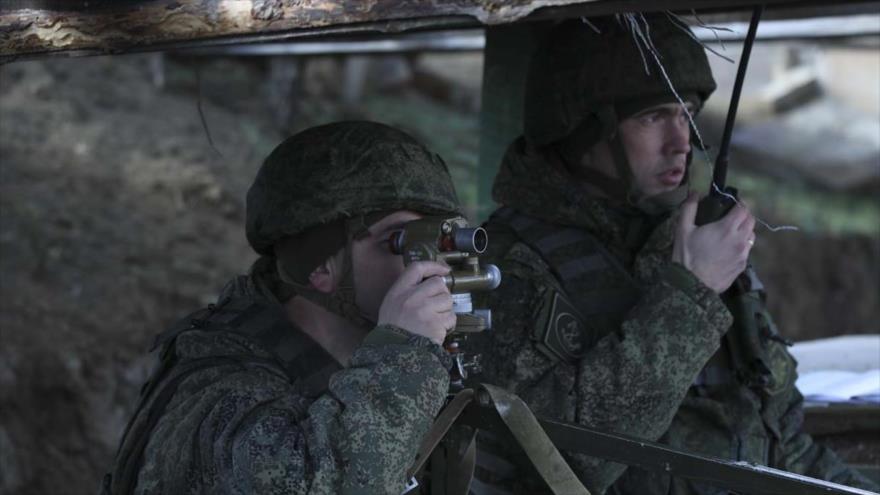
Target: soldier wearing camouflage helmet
320,371
610,312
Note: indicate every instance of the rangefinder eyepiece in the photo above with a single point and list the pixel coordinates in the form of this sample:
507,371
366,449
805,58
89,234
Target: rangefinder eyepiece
397,241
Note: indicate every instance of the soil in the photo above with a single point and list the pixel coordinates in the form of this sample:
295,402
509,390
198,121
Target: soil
820,285
117,216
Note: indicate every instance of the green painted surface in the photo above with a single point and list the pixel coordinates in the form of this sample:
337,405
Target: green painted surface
506,57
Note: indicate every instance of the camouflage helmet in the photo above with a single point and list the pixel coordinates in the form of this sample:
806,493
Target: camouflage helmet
586,67
343,170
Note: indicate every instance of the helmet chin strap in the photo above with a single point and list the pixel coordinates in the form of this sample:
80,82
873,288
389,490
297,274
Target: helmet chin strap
341,301
664,202
600,126
657,204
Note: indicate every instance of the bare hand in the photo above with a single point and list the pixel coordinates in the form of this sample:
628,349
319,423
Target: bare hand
420,302
716,252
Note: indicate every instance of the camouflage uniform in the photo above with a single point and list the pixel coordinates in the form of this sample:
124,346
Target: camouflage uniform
636,375
595,325
249,427
242,401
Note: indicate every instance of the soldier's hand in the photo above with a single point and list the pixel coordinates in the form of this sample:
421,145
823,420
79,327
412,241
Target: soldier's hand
716,252
419,302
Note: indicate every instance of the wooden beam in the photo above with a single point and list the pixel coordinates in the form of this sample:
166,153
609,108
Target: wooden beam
35,27
474,40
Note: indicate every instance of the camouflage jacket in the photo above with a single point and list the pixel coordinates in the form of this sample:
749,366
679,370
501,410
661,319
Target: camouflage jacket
255,423
634,374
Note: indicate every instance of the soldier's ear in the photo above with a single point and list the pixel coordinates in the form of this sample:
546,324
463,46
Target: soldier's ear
325,278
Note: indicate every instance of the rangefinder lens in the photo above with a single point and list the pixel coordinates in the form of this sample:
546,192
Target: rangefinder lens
471,240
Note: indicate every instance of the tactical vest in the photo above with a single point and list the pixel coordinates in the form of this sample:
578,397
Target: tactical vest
605,292
306,365
582,266
593,292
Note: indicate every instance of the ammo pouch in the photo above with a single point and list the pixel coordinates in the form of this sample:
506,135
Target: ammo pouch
758,358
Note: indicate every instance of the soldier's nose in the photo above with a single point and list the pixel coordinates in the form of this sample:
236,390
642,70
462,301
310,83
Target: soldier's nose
678,137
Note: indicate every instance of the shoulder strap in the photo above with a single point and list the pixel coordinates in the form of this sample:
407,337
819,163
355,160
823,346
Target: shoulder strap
577,259
594,289
305,362
131,449
300,359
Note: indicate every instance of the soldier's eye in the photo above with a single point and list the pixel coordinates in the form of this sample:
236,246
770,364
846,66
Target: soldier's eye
650,118
392,241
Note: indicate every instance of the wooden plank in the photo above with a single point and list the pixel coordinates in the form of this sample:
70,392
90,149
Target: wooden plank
30,28
841,418
474,40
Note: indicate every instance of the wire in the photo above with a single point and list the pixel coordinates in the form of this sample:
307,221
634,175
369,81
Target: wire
201,112
639,34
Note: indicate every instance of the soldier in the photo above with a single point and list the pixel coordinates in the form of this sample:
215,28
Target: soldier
321,370
610,313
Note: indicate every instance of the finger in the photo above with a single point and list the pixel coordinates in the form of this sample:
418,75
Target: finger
450,320
418,271
748,225
736,216
745,248
749,244
438,304
426,289
688,213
